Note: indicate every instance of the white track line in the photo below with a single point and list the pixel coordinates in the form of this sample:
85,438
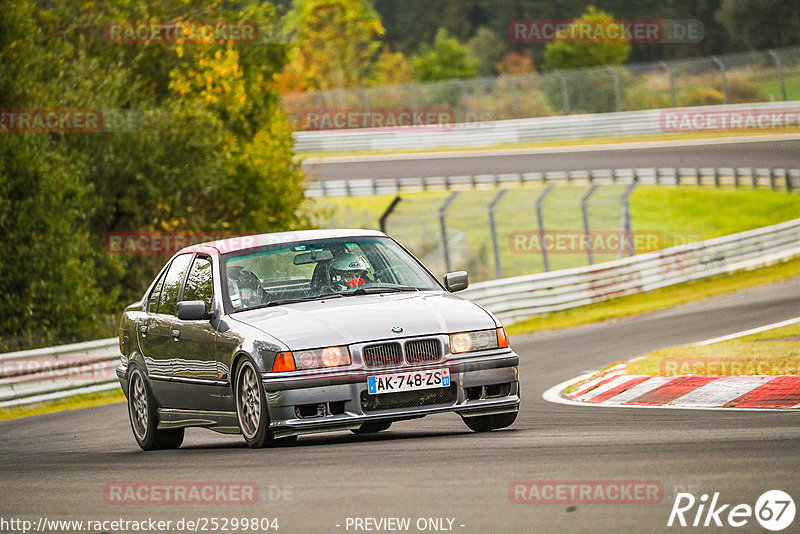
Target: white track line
748,332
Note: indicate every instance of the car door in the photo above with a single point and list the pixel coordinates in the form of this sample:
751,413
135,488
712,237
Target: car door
160,348
200,384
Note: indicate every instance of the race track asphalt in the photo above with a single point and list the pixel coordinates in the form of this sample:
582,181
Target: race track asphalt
768,153
57,465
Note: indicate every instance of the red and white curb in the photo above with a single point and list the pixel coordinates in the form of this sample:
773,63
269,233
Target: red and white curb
617,388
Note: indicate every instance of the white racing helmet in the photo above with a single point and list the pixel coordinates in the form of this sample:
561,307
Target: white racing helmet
346,268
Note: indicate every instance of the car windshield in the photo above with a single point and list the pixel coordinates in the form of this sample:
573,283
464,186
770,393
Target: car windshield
315,269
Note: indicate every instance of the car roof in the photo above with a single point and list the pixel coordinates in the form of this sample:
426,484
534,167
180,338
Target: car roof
236,244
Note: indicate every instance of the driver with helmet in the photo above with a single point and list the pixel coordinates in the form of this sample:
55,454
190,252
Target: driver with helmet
348,271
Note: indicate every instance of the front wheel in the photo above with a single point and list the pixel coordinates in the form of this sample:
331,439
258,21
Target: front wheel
251,406
144,417
486,423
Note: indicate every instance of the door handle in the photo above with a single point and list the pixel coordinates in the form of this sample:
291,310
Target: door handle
143,329
176,334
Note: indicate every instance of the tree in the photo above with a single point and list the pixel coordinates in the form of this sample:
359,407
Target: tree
446,59
760,24
336,42
488,48
515,63
579,53
391,68
210,151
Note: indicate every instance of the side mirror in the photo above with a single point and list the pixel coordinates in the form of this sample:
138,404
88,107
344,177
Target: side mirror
456,281
193,310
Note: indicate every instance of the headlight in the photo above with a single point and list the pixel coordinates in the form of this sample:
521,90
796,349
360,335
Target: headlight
321,358
478,340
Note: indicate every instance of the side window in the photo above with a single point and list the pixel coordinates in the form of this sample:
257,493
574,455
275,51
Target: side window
155,295
199,284
172,283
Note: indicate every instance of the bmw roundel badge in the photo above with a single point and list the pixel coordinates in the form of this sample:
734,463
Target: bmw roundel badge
397,329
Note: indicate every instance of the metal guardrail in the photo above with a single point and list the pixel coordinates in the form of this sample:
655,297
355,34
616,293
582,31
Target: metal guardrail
37,375
756,178
514,299
88,367
482,134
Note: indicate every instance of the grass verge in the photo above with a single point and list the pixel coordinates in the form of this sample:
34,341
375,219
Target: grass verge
70,403
665,297
773,352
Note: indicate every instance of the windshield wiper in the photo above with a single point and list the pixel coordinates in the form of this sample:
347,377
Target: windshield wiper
386,289
293,301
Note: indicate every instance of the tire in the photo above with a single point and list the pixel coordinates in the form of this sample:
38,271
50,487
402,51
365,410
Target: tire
143,415
251,406
486,423
372,428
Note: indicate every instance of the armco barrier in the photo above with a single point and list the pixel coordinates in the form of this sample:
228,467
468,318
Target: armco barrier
755,178
514,299
511,299
54,372
483,134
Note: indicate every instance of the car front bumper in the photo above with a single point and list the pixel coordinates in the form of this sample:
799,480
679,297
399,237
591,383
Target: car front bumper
481,385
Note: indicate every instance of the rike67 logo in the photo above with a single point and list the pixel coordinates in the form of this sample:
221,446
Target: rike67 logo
774,510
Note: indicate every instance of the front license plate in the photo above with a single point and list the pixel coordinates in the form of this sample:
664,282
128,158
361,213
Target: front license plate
433,378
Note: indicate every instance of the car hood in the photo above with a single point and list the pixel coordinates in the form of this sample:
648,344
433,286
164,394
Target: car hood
361,318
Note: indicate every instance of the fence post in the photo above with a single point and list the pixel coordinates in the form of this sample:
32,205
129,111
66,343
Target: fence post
498,265
772,179
718,62
626,237
586,231
564,91
716,177
617,88
364,98
736,177
514,96
672,98
389,210
779,67
443,226
540,222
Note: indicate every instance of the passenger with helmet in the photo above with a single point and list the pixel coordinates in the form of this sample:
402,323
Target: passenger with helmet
348,271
